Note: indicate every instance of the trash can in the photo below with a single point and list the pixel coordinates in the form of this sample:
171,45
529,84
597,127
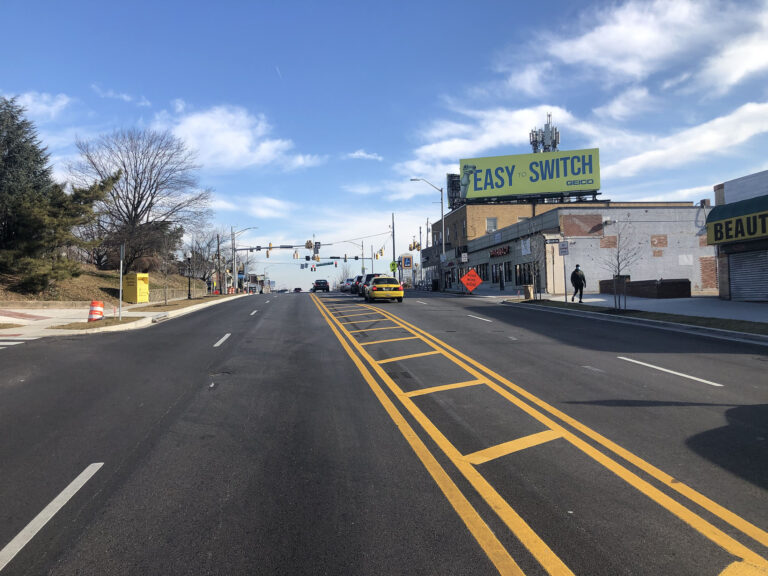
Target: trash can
528,291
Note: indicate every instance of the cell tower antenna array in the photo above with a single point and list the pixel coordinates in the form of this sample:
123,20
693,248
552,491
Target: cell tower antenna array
546,139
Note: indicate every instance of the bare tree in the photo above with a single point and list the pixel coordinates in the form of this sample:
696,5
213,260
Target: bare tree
159,184
344,271
623,251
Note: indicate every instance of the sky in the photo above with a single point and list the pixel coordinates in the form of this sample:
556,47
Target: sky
308,119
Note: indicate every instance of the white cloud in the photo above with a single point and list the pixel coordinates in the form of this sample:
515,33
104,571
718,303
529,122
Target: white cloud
683,195
113,95
267,208
42,106
693,144
230,137
629,103
740,58
635,39
530,80
363,155
179,106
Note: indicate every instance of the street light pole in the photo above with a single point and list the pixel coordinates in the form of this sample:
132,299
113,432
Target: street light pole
189,276
442,220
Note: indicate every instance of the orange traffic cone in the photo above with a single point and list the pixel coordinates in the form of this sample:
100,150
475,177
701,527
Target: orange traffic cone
97,311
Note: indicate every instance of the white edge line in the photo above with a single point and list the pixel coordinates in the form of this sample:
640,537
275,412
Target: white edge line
511,337
220,342
478,318
11,342
30,530
420,302
671,372
254,312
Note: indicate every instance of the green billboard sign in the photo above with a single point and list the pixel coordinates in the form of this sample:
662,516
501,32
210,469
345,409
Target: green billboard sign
531,174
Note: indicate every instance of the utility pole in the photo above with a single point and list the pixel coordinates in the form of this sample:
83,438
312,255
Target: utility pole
421,273
234,261
394,256
218,261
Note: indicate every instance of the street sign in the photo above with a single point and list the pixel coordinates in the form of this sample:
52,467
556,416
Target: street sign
392,266
563,248
464,257
471,280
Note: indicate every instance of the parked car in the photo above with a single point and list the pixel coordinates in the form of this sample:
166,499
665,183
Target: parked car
355,287
297,289
366,283
320,286
384,288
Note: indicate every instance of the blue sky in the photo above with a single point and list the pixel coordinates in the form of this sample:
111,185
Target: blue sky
309,118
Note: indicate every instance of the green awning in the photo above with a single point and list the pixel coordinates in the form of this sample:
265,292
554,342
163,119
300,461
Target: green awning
736,209
739,221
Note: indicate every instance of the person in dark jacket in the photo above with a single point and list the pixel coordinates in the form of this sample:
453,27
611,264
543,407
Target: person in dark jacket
579,281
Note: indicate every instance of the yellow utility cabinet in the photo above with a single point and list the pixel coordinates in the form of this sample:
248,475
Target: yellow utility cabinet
136,288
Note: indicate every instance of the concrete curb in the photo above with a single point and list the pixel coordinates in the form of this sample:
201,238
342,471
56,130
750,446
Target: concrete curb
660,324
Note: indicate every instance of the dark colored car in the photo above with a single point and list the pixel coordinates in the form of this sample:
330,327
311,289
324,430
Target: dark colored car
297,289
320,286
366,283
355,287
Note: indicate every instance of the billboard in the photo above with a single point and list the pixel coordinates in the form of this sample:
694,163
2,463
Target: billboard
531,174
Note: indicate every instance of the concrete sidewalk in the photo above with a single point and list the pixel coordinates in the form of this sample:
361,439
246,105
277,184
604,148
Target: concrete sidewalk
702,306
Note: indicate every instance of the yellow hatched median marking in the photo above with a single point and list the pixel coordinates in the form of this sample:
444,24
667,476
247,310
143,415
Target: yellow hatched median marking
493,452
419,355
519,527
484,536
433,389
372,329
390,340
358,321
698,523
353,315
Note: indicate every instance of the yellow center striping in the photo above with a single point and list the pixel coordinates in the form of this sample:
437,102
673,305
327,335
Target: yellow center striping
372,329
488,454
391,340
434,389
358,321
698,523
535,545
419,355
744,569
352,315
495,551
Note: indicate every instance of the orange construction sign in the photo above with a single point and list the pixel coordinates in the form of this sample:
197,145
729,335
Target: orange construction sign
471,280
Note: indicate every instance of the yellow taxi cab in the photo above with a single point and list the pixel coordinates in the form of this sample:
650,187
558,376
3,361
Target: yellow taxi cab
384,288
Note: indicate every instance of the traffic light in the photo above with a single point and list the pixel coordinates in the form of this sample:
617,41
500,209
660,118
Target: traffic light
306,258
308,245
335,264
381,252
357,257
345,257
267,253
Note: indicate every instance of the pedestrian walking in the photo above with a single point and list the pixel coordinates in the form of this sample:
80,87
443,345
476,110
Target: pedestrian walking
579,281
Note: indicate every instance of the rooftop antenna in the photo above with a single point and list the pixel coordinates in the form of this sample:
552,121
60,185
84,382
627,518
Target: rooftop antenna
546,139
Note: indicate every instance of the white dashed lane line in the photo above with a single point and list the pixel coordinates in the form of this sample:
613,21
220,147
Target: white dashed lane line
254,312
671,372
37,523
220,342
478,318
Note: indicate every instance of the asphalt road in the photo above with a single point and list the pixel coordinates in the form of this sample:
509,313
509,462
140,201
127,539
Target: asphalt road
302,434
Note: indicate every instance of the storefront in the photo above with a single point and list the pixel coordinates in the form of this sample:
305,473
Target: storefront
740,232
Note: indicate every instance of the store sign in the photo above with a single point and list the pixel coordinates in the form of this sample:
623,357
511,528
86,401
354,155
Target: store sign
742,227
503,251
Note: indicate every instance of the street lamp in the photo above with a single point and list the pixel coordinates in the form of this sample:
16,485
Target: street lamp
442,219
189,276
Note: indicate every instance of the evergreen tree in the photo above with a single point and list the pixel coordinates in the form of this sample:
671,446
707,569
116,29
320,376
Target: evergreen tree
25,184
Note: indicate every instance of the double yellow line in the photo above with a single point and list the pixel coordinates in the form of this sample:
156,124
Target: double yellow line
751,563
